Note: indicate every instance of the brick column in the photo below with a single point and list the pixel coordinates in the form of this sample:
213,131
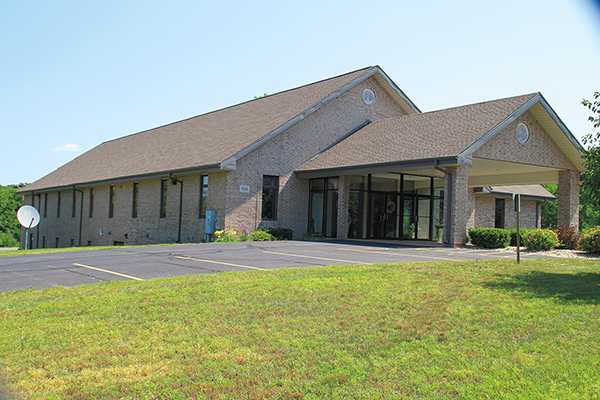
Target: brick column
461,207
568,198
343,200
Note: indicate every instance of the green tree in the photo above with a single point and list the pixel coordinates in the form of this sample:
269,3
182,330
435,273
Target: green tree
550,208
591,152
9,204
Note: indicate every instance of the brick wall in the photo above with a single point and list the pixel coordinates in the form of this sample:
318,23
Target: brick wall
287,152
280,156
485,213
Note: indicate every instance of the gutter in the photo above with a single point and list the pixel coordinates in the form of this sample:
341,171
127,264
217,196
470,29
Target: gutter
127,178
446,238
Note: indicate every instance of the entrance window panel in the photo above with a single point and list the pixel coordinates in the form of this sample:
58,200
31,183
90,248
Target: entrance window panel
323,206
438,217
385,182
423,218
392,217
331,202
408,218
417,185
317,211
357,214
377,215
358,182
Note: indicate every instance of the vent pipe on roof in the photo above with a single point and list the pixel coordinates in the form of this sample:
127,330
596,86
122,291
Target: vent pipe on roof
446,237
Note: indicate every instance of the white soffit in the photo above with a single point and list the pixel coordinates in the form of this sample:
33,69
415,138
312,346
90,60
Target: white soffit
485,172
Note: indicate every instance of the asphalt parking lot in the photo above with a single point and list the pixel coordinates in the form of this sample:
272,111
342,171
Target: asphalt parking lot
71,269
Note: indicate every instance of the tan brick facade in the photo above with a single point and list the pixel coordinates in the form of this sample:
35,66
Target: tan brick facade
280,157
288,148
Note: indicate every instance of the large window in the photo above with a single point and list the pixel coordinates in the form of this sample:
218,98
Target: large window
91,202
269,197
134,200
58,206
163,198
323,206
111,201
74,208
203,196
499,217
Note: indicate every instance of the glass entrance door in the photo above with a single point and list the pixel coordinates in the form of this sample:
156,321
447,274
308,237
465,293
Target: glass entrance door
384,216
416,218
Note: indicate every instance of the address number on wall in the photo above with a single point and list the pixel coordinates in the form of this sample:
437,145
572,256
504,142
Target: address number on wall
244,189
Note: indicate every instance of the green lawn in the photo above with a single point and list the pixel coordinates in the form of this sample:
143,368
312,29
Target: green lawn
468,330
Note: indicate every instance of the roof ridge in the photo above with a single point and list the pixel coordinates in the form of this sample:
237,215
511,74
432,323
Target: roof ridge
529,95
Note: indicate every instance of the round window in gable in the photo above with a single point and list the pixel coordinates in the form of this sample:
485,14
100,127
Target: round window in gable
368,96
522,133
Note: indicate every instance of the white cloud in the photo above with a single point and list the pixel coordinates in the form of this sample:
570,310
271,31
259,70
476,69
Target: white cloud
68,147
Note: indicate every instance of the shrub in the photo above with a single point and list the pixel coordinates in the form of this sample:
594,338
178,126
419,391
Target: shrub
540,239
7,240
568,237
489,238
590,241
513,236
226,235
313,236
280,233
261,235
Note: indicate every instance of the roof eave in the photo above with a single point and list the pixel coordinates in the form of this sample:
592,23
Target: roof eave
379,167
127,178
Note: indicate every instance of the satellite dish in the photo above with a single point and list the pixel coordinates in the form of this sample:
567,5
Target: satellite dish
28,216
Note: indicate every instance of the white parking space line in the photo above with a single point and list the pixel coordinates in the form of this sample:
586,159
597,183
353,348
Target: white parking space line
391,253
222,263
317,258
109,272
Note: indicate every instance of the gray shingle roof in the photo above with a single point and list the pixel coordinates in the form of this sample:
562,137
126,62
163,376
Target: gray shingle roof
205,140
431,135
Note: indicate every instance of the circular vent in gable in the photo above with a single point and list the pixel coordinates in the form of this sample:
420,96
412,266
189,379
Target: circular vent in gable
368,96
522,133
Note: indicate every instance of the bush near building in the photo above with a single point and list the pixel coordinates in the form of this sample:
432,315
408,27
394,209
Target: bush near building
590,241
489,238
540,239
568,237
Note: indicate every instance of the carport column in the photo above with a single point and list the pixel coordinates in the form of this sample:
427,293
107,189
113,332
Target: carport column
343,200
459,204
568,198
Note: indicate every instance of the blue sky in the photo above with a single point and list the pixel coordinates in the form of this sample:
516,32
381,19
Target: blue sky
74,74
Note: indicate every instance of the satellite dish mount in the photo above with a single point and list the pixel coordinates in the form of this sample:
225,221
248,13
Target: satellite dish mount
29,218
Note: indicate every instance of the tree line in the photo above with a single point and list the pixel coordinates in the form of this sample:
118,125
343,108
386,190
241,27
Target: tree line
10,229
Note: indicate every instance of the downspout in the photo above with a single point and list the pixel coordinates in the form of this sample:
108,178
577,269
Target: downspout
446,238
37,232
174,182
80,213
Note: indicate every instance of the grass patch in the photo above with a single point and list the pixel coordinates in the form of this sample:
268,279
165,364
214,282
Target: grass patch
474,329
